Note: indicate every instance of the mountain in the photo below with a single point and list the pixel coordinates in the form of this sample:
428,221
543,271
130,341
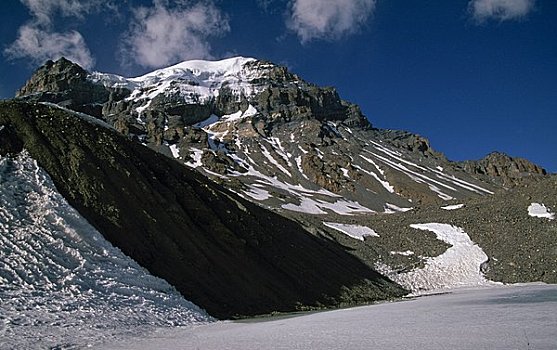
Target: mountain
229,256
310,170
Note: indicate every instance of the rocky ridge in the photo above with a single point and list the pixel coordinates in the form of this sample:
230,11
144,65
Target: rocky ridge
500,168
267,134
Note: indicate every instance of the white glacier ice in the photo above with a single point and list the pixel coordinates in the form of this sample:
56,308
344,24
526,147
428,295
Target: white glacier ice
62,285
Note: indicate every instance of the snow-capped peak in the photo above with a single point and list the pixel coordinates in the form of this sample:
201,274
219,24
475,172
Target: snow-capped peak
226,67
195,81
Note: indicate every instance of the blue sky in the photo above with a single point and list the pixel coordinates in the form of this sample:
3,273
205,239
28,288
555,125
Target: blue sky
473,76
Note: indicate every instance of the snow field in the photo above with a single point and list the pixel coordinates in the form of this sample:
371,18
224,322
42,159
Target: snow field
458,266
515,317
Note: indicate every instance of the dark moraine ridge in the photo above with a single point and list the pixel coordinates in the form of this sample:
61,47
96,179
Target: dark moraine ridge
227,255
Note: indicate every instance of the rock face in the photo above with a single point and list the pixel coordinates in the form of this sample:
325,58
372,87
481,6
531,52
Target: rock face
504,169
220,251
66,84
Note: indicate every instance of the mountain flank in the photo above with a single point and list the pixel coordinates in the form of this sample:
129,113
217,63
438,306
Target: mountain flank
227,255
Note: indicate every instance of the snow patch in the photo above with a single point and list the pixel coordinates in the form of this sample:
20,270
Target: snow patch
250,112
391,209
383,183
404,253
175,151
540,211
196,158
205,123
273,161
453,207
258,194
316,206
82,116
354,231
458,266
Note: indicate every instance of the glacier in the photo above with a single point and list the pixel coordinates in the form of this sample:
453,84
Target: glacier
62,285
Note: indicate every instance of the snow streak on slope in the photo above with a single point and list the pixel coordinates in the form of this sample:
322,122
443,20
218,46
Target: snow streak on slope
354,231
62,284
453,207
458,266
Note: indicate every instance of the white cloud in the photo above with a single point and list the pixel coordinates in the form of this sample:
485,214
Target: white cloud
502,10
162,34
44,10
328,19
41,45
38,41
266,5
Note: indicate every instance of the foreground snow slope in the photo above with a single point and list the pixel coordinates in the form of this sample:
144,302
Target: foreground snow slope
61,283
515,317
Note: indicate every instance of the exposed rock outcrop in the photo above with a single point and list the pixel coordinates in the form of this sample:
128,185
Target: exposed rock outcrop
501,168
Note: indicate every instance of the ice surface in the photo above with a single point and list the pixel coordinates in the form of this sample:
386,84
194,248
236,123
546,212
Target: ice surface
516,317
540,211
62,285
354,231
458,266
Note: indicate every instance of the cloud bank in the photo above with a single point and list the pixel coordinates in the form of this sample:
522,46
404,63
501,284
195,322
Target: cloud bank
164,34
501,10
38,41
328,19
40,45
44,10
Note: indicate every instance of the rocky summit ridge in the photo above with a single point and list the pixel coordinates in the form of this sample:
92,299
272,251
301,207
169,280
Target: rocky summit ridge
301,151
